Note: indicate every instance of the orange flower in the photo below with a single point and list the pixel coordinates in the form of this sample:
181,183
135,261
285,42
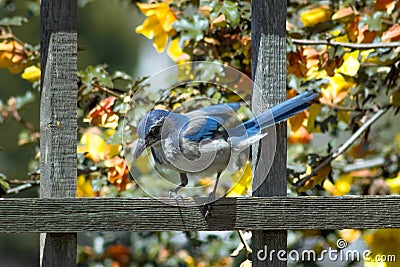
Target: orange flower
120,254
103,115
386,5
392,34
298,131
118,172
303,62
12,55
300,136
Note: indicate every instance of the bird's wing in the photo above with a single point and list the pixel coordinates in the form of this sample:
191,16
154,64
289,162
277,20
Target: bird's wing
220,112
205,122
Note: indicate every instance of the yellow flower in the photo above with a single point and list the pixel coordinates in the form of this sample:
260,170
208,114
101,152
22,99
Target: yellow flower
395,98
341,187
246,263
241,181
350,65
336,90
316,15
158,24
84,187
397,140
31,74
175,52
320,176
383,242
95,147
394,184
349,235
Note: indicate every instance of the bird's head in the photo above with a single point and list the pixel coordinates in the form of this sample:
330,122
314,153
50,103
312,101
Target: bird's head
149,130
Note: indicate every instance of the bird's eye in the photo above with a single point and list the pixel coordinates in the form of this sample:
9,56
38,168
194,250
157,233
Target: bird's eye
155,129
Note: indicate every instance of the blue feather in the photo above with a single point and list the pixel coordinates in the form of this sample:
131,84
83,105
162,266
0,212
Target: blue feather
276,114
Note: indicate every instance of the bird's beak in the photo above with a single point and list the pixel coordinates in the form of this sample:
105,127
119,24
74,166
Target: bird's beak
140,147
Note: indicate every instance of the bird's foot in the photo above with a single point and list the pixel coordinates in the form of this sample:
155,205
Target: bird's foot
207,209
208,206
174,194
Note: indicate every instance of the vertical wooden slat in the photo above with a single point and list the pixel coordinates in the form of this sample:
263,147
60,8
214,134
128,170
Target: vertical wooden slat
269,74
58,119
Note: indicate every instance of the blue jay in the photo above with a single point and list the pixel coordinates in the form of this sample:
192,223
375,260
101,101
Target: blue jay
201,143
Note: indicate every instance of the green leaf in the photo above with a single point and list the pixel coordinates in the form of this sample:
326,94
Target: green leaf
191,29
33,7
121,75
13,21
231,12
208,72
4,184
83,3
95,74
374,22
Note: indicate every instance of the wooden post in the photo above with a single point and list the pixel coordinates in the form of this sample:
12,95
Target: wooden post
58,120
269,74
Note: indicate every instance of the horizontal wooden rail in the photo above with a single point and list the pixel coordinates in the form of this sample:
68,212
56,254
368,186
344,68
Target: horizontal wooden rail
147,214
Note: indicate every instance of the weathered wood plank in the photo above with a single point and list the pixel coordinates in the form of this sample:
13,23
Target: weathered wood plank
268,26
58,119
146,214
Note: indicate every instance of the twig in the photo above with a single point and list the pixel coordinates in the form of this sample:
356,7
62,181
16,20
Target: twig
25,123
343,147
339,108
108,91
347,45
364,164
17,189
244,242
17,181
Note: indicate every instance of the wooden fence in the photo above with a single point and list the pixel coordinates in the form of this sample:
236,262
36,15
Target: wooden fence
269,213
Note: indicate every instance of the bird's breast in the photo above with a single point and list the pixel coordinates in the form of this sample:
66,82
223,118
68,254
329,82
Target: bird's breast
185,156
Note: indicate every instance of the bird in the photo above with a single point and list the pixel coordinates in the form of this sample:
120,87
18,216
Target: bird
202,142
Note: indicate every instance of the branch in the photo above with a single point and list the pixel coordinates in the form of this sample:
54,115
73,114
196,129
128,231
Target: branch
23,184
16,181
25,123
339,108
244,242
361,164
347,45
343,147
108,91
17,189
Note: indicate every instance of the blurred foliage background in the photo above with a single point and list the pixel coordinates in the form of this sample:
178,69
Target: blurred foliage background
347,143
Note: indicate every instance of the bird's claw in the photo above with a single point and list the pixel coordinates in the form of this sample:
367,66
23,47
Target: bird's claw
207,209
175,195
172,194
208,206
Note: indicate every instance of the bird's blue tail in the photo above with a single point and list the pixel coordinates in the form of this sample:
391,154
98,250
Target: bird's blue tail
279,112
